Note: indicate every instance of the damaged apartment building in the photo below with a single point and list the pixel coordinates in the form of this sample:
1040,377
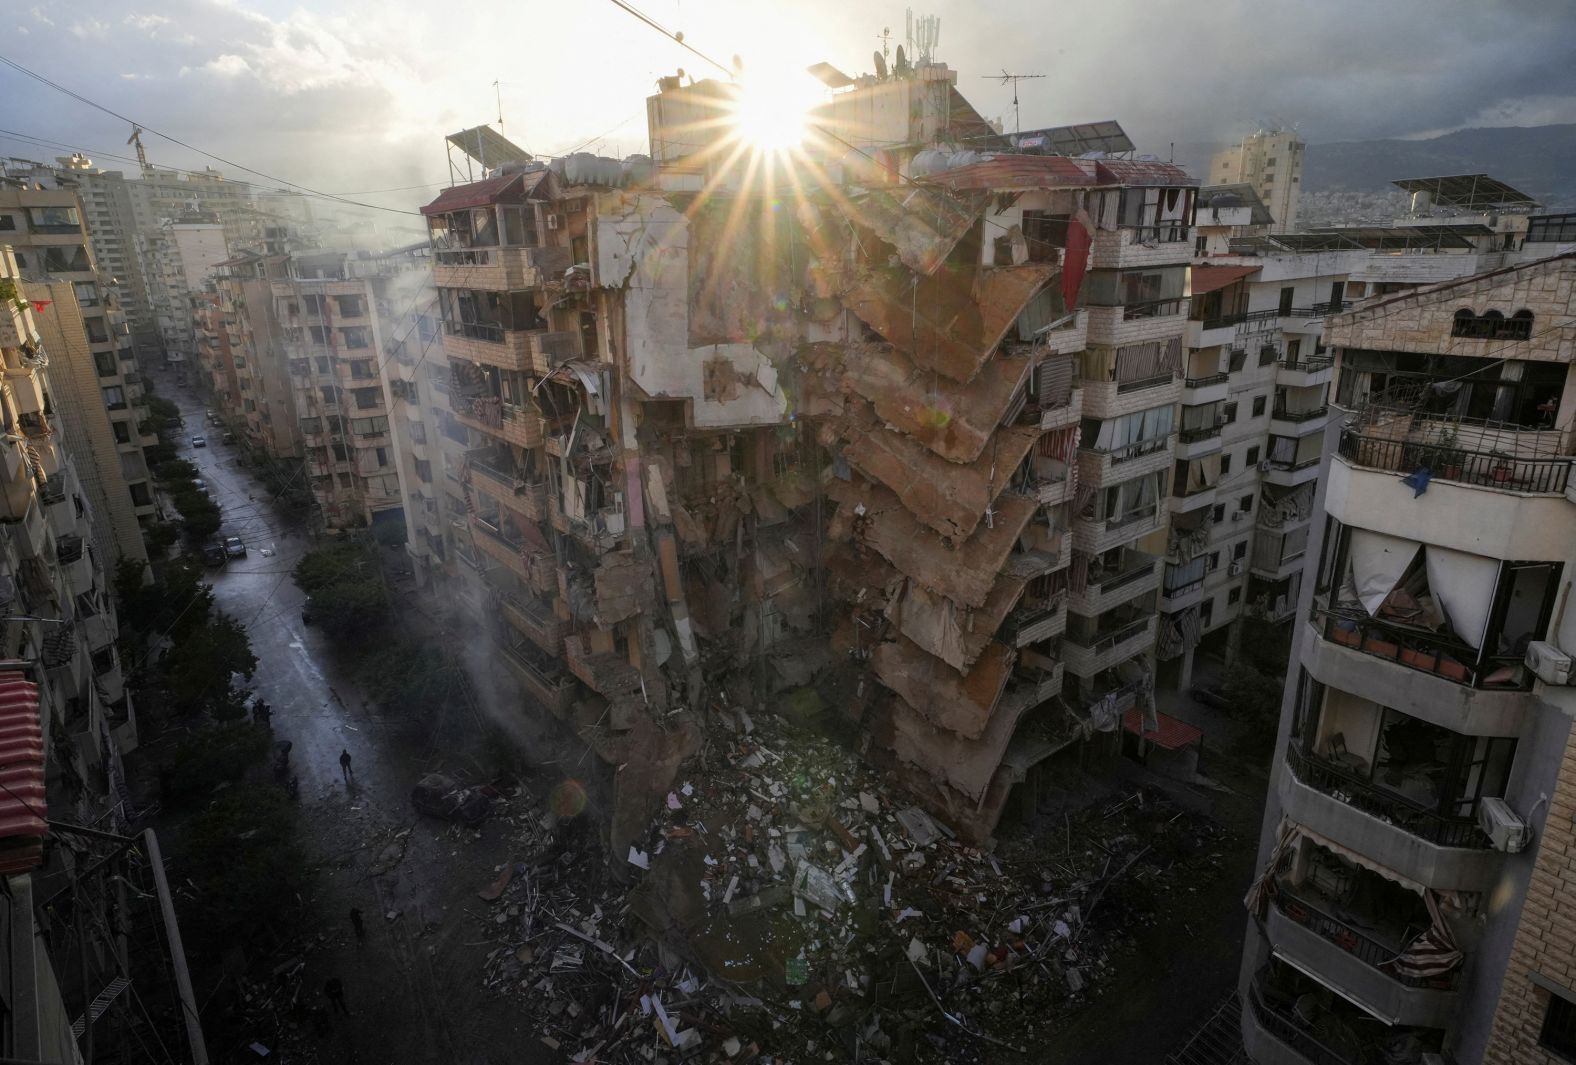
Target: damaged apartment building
883,432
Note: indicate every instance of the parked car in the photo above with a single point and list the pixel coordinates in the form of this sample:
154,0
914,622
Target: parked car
234,547
213,418
201,485
199,441
227,438
1209,697
213,554
438,796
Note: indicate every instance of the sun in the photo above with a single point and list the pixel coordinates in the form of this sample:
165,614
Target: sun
772,115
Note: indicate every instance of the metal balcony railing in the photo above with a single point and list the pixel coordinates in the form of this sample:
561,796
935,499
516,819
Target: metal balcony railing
1200,432
1154,308
1285,415
1420,649
1540,474
1285,1026
1359,794
1307,364
1100,642
475,331
1205,381
1123,387
1359,944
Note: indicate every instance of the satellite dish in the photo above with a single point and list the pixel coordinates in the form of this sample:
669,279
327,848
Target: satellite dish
881,70
901,66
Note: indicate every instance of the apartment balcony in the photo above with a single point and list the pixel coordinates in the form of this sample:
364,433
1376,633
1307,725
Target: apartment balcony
1210,388
1135,575
1284,422
1291,473
1094,535
543,680
1197,441
1112,399
534,620
1102,468
1447,854
604,672
1512,471
1070,338
489,414
498,269
1444,659
1189,591
599,531
1276,1031
493,542
1153,245
1189,501
1277,555
489,345
1136,323
550,350
1212,332
1086,656
1345,954
72,554
1031,624
1305,372
1061,415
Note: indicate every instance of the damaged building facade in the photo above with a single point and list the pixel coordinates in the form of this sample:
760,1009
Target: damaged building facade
1413,904
888,433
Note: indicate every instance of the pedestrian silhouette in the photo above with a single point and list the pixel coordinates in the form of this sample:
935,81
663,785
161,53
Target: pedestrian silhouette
355,922
334,988
344,765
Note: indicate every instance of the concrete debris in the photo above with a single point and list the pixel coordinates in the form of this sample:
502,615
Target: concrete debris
706,956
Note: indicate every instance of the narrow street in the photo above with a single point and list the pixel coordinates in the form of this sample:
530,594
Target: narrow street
411,877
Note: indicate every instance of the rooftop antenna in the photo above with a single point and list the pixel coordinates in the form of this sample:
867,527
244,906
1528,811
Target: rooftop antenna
885,37
136,138
924,33
1004,78
498,95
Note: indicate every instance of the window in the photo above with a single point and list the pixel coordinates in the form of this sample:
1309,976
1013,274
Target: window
1219,514
1245,504
140,497
1559,1028
324,364
1287,296
1206,613
328,394
97,332
7,222
383,456
320,334
103,660
1252,457
1234,596
351,306
311,425
1214,560
1239,550
1293,349
122,431
340,454
1229,412
1225,464
369,426
357,337
1258,401
361,368
424,471
368,397
114,398
1045,234
104,362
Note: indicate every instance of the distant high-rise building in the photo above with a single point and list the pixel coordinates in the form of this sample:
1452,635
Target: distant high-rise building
1270,161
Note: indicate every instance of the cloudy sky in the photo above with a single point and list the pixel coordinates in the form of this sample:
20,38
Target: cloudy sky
354,96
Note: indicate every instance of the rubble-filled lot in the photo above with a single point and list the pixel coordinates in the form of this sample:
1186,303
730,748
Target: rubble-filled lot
789,906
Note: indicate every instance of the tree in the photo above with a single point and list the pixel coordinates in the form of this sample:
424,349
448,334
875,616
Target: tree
176,471
345,593
175,605
210,757
199,668
200,516
328,565
245,864
1252,696
407,677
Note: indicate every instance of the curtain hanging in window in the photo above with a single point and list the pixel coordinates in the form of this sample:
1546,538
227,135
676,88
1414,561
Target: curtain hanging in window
1464,585
1378,561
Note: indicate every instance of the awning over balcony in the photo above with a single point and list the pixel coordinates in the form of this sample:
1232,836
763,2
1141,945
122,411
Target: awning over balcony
22,805
1210,278
1169,733
513,187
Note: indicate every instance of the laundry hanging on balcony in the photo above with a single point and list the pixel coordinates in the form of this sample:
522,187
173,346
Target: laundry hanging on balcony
1262,890
1432,954
1464,585
1378,563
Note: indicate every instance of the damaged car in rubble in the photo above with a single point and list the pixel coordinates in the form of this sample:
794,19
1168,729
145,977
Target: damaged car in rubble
439,796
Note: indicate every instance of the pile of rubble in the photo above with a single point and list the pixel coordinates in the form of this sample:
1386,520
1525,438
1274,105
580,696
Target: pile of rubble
786,908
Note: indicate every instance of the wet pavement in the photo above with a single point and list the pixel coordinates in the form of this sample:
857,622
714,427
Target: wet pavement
411,985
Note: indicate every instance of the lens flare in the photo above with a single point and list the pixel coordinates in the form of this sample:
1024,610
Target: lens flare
568,798
772,115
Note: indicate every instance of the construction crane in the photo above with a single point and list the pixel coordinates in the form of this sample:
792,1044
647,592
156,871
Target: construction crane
136,138
1004,78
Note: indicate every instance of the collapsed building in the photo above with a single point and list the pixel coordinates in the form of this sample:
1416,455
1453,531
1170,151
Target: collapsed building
882,432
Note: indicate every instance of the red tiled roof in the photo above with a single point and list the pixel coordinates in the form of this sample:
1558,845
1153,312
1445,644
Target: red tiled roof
1172,734
22,805
1005,171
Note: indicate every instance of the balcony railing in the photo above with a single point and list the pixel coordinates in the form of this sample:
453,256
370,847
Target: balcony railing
69,549
475,331
1099,642
1098,586
1200,432
464,257
1153,308
1224,321
1356,942
1123,387
1285,415
1308,364
1132,517
1180,590
1542,474
1285,1027
1419,649
1136,449
488,465
1206,381
1359,794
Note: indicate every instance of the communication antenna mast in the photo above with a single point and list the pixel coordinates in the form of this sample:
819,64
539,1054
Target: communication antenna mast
498,95
136,138
924,33
885,37
1004,78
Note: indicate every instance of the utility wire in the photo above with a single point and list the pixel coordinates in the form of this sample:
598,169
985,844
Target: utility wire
13,64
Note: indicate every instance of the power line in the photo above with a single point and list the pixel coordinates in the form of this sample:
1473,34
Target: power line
13,64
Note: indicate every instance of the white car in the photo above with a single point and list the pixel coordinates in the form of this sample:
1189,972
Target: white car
199,441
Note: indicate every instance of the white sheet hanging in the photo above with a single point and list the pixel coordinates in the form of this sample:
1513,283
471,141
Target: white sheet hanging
1378,561
1464,585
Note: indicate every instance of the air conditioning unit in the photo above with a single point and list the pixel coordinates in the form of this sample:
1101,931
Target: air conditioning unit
552,221
1508,832
1235,569
1238,515
1549,663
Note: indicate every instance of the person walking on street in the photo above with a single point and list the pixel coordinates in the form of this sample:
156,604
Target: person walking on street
334,988
344,765
355,922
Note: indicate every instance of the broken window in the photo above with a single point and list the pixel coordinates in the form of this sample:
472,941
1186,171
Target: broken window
1046,235
1130,435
